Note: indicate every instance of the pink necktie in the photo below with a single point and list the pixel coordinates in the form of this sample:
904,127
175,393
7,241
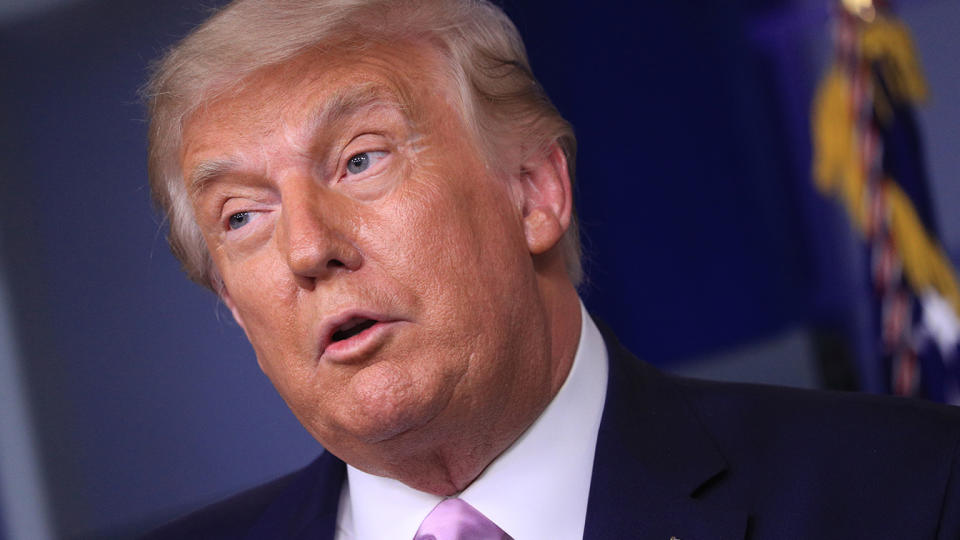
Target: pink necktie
454,519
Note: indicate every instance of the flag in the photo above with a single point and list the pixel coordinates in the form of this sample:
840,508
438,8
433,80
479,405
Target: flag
867,154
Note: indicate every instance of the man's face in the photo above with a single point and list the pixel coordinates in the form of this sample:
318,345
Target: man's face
378,267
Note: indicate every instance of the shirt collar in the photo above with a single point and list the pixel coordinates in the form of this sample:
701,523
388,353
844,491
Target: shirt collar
538,488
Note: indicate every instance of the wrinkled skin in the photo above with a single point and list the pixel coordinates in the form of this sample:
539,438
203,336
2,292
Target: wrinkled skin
477,322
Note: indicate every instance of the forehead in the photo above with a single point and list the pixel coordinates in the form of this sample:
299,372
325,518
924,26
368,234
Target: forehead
316,86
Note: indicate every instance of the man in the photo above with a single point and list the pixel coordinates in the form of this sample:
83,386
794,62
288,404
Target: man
380,192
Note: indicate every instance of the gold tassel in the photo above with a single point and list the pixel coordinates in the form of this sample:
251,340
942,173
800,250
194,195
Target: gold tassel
886,44
925,264
836,168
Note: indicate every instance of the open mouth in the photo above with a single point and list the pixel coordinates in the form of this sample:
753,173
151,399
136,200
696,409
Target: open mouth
352,328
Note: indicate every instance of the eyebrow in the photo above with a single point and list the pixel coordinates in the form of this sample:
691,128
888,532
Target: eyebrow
208,170
342,105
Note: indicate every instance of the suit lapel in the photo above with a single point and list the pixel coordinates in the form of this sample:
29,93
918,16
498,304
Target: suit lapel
307,509
655,466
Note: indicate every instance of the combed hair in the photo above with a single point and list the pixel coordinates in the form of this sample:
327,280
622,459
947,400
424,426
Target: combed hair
502,103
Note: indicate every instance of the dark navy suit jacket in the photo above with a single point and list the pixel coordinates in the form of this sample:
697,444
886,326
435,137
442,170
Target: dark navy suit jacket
700,460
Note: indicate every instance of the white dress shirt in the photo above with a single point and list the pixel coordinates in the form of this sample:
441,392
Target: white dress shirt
538,488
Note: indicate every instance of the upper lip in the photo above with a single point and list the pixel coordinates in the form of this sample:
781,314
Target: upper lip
332,323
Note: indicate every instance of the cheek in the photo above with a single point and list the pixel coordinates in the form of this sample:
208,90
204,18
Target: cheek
451,226
256,285
259,288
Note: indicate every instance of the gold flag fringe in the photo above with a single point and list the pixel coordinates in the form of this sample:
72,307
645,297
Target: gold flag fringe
884,44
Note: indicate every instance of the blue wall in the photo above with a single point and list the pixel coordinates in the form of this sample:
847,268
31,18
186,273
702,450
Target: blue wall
702,232
684,195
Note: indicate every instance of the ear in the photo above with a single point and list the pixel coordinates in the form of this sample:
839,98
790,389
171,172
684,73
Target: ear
547,199
225,296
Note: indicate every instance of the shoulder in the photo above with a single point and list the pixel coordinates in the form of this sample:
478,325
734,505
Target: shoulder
810,463
229,518
753,418
808,419
292,500
832,456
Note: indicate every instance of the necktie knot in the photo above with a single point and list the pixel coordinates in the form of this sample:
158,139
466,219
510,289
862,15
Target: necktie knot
454,519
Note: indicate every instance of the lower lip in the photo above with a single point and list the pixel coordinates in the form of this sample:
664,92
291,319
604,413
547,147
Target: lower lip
359,347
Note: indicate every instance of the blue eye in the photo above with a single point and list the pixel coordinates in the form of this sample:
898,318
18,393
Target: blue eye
362,161
239,220
358,163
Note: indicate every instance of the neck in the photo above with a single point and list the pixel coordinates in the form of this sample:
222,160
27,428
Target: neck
449,471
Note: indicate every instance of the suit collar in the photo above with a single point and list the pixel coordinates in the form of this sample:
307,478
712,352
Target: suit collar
307,509
655,465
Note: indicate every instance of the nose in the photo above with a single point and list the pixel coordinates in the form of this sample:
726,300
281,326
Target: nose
314,236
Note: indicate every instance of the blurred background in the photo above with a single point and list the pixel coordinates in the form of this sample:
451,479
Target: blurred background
128,395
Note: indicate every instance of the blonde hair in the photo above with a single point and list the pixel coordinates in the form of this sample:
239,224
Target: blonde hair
502,101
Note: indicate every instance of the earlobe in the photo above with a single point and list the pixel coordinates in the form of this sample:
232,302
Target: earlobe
547,199
543,231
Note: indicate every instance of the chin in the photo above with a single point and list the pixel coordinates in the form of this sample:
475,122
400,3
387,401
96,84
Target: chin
382,426
388,403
